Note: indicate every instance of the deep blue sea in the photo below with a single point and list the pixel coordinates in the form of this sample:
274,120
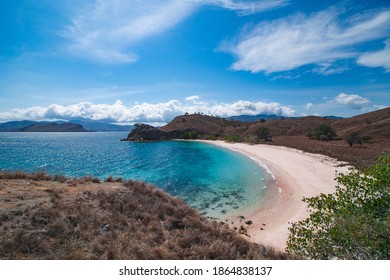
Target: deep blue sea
216,181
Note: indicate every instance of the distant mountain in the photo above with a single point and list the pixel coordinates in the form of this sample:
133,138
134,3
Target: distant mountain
102,126
31,126
61,126
54,127
14,126
332,117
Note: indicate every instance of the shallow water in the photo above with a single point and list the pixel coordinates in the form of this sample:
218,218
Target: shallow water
216,181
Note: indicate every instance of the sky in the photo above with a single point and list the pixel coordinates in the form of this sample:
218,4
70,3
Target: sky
126,61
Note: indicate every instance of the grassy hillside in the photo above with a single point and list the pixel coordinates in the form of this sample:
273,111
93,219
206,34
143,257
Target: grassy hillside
52,217
291,132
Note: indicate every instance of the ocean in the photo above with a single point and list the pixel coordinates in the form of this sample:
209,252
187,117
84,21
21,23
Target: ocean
217,182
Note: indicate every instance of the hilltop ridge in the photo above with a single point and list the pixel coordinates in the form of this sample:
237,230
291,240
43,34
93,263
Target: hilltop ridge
290,132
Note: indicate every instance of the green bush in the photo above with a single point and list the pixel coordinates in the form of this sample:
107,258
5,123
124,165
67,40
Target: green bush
323,132
352,223
263,134
232,138
354,138
193,134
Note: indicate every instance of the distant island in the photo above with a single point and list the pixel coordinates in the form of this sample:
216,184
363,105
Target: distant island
71,126
29,126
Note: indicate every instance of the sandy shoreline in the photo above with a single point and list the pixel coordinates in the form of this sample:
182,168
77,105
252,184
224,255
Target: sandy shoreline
297,174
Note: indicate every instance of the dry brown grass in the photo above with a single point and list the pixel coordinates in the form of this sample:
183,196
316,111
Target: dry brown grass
291,132
45,219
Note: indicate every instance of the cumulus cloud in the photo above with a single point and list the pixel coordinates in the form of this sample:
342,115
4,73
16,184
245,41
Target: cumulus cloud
353,100
288,43
192,98
107,31
144,112
309,105
377,59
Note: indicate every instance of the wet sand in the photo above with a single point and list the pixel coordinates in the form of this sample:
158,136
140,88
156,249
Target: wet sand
296,175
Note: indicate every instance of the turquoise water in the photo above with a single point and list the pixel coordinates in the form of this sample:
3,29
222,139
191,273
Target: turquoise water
216,181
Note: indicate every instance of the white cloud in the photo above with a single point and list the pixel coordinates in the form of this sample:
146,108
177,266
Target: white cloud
245,7
288,43
309,105
353,100
144,112
192,98
107,31
329,69
377,59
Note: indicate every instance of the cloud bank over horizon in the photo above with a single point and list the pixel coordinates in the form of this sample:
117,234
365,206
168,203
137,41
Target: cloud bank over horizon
145,112
163,112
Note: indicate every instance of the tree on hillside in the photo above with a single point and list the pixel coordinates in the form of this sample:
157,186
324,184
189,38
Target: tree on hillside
323,132
232,138
190,134
263,134
352,223
354,138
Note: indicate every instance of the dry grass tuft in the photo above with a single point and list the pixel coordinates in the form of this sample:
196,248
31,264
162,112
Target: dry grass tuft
107,221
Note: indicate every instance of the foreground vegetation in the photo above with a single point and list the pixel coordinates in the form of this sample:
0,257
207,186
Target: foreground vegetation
352,223
78,219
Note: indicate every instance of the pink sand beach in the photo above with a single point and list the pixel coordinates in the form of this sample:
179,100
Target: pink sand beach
297,174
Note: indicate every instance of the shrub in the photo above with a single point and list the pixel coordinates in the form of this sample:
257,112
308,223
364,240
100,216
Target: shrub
253,139
108,179
352,223
232,138
211,136
323,138
263,134
321,131
354,138
367,138
192,134
96,180
60,178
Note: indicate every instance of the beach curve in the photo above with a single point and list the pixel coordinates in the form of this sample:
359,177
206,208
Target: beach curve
296,174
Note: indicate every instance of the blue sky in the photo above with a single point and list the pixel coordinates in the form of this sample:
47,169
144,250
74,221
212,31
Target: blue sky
148,61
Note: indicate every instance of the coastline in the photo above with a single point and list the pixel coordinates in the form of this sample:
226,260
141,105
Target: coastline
296,174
